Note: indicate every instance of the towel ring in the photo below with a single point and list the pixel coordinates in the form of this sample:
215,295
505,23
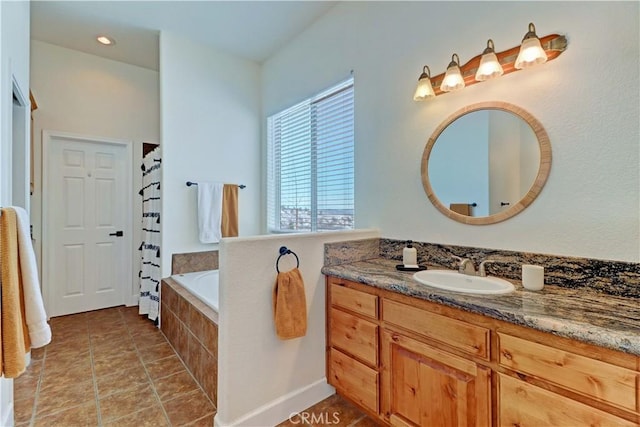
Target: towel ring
285,251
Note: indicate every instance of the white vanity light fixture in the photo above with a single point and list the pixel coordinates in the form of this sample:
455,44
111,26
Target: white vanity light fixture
531,51
424,90
105,40
453,77
489,65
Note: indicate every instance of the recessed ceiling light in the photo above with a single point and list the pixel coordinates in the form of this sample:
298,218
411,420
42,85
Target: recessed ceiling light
107,41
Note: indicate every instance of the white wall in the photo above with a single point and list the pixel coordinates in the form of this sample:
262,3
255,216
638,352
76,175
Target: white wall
587,100
261,379
459,163
14,65
210,132
504,160
92,96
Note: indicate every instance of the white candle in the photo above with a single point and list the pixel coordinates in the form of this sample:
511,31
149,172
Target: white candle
532,277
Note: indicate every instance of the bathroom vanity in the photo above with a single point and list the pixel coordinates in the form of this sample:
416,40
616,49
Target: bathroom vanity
411,355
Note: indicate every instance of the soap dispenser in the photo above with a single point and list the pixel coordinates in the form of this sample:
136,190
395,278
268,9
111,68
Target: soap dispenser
410,256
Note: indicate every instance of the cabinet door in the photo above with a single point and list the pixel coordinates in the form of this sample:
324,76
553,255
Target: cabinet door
522,404
424,386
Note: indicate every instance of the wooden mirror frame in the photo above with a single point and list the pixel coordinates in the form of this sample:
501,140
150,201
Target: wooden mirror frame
541,177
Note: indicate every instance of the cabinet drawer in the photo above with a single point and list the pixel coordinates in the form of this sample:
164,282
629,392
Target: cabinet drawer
355,336
590,377
461,335
354,379
356,301
522,404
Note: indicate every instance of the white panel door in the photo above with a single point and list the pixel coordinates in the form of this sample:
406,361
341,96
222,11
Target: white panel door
89,240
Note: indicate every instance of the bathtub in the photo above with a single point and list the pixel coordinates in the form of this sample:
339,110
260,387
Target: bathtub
202,284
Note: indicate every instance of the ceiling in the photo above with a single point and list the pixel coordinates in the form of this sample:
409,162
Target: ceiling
249,29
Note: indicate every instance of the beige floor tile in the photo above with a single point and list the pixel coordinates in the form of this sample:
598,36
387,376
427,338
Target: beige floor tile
142,327
365,422
122,362
56,398
73,375
26,387
37,354
66,351
66,361
111,350
207,421
23,409
156,352
125,403
188,407
122,381
174,385
79,416
109,339
69,340
108,327
164,367
148,340
149,417
118,353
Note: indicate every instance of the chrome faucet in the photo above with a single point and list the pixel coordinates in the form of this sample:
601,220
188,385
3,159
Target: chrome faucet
466,266
482,272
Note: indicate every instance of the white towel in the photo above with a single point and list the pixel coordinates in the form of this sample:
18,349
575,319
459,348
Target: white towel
39,330
209,211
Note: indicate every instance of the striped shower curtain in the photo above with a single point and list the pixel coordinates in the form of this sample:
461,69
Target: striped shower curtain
150,248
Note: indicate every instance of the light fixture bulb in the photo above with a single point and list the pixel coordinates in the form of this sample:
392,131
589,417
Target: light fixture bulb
489,67
424,90
107,41
531,52
453,77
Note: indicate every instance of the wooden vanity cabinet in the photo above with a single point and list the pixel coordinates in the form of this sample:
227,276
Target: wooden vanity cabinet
523,404
425,386
411,362
353,343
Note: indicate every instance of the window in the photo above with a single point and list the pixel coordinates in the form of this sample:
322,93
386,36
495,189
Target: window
310,166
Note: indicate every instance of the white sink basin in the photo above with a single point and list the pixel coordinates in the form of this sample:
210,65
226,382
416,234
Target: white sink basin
456,282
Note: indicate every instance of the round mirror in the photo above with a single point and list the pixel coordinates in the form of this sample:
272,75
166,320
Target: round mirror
486,163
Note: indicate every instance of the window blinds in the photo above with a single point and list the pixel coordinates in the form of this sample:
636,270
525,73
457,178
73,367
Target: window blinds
310,167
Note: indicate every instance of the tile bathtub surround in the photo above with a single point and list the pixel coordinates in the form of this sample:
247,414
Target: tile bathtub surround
194,261
610,277
191,327
108,367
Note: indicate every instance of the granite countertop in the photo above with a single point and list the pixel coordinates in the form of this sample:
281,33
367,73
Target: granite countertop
588,316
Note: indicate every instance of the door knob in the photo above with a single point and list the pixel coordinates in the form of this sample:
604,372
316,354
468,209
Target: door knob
119,233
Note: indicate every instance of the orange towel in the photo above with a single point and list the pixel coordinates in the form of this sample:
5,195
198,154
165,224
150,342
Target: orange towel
15,335
229,225
290,305
461,208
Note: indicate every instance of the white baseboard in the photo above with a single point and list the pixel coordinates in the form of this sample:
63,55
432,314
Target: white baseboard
133,300
279,410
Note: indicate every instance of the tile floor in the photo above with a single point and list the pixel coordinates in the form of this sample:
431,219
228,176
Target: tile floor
113,368
108,368
333,411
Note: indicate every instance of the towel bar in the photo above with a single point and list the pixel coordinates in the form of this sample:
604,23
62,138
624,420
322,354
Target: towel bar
190,183
285,251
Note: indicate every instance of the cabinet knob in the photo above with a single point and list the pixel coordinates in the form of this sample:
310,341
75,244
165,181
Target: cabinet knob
395,337
507,355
